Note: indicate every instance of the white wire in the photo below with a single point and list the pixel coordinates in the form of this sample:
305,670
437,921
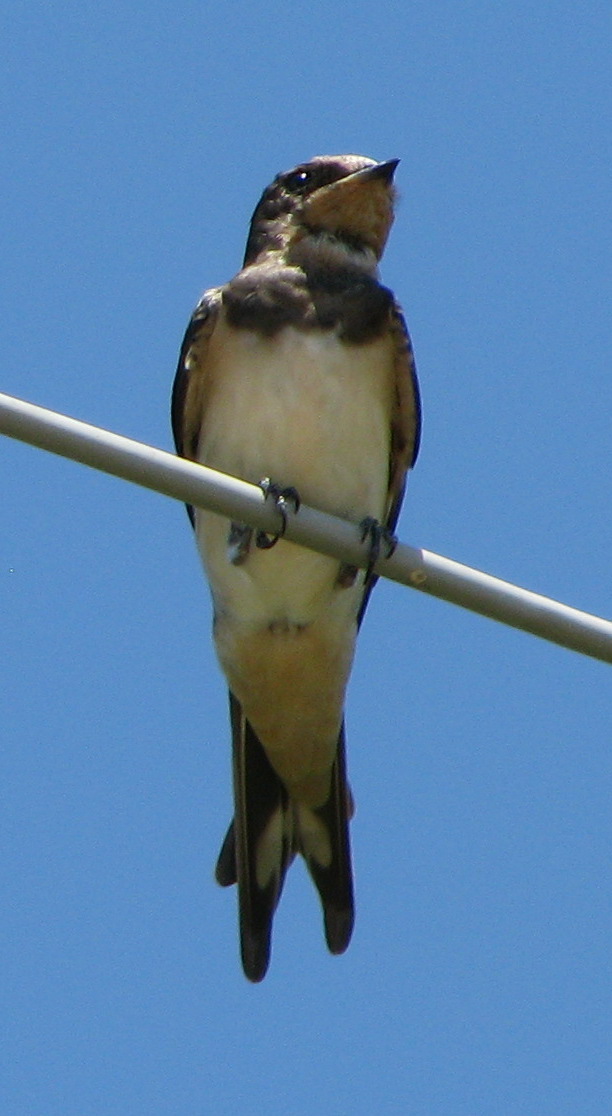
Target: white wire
195,484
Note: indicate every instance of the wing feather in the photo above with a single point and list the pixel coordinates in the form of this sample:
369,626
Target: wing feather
191,386
405,430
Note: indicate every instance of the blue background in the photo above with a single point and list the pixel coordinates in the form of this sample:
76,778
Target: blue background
137,139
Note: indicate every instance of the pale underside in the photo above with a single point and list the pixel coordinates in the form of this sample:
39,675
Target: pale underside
313,412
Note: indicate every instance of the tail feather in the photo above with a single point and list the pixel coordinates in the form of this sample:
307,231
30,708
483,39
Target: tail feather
329,860
267,830
262,849
226,872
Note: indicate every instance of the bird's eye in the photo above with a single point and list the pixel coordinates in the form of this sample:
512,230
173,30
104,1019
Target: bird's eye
298,181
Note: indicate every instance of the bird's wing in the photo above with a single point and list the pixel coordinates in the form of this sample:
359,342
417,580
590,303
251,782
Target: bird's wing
405,430
191,383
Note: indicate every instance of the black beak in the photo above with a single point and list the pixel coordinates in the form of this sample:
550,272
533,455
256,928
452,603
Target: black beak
380,170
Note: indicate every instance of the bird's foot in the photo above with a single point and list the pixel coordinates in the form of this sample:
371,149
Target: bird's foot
282,498
382,541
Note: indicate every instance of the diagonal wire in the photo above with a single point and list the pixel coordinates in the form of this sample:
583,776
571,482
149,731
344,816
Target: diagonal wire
195,484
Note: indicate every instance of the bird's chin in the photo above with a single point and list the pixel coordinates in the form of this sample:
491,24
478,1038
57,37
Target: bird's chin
355,209
314,250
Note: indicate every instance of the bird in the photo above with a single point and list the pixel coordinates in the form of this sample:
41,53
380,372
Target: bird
299,375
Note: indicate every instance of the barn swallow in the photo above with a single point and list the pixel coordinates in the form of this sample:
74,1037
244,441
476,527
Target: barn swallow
300,369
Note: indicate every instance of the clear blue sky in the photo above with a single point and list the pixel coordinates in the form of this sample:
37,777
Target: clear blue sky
136,140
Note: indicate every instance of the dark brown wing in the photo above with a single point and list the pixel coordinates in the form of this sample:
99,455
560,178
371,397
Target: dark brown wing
190,383
405,430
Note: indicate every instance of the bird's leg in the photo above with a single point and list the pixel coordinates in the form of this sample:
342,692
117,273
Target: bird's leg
282,497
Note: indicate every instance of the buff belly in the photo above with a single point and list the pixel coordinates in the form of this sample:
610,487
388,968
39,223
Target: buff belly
309,411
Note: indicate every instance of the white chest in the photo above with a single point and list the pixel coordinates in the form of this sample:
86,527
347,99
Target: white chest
310,412
306,410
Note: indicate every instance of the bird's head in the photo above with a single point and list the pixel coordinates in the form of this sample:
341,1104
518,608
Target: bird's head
340,204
